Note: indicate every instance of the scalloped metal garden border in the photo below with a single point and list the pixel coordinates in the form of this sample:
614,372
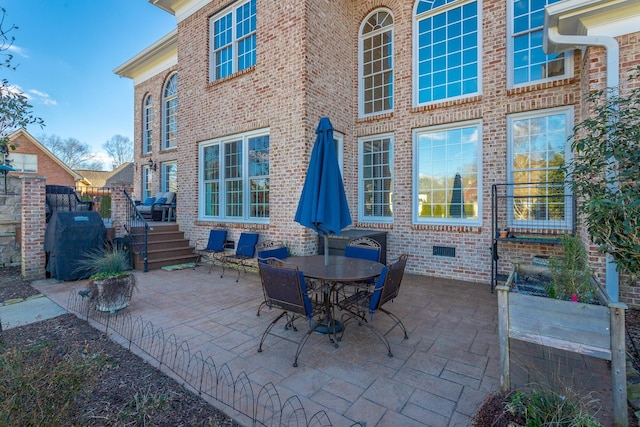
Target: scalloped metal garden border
198,373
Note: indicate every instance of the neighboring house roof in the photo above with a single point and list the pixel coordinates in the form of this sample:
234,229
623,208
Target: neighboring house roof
96,178
22,132
123,174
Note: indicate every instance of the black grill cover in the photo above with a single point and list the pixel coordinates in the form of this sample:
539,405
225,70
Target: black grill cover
69,238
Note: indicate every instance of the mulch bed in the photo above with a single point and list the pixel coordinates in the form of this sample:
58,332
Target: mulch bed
126,378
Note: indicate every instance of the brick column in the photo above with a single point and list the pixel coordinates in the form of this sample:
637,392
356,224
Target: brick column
33,226
119,209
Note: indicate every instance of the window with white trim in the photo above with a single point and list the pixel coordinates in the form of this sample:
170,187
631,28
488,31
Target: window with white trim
233,40
447,179
23,162
538,147
146,182
170,112
375,189
527,62
234,178
376,63
447,46
147,121
170,176
338,142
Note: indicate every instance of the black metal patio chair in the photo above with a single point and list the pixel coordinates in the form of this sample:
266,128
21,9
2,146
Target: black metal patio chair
364,303
245,251
285,289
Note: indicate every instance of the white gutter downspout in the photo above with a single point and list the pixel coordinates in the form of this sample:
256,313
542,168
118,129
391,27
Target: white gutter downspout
613,80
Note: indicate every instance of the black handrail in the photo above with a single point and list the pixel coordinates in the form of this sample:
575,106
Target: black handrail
138,230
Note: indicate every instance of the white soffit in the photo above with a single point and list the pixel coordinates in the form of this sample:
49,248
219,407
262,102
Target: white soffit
156,58
608,18
181,9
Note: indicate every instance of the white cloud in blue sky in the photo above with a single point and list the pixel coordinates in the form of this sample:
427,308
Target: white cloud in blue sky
66,51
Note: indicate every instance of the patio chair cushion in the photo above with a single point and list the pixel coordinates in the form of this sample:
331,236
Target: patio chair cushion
161,200
149,201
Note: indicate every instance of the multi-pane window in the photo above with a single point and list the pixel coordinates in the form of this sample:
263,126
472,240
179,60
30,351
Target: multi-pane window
146,182
538,148
170,176
376,178
23,162
528,62
447,45
170,112
147,120
234,177
233,37
376,53
447,177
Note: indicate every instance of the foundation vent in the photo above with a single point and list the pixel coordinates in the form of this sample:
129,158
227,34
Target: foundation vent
444,251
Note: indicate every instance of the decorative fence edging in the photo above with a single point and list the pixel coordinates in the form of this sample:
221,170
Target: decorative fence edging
200,374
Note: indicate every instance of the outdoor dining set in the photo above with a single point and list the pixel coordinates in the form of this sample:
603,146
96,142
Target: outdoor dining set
317,287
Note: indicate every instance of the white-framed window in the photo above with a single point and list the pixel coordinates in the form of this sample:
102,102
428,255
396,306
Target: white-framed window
526,61
24,162
146,182
447,45
376,63
447,174
170,112
338,142
170,176
538,146
147,122
233,39
234,178
375,178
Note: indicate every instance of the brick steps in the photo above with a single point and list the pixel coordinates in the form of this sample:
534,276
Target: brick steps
166,245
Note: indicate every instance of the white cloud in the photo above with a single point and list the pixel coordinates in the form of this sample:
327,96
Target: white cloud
17,50
41,97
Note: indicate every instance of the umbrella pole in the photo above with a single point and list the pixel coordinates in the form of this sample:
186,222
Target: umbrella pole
326,250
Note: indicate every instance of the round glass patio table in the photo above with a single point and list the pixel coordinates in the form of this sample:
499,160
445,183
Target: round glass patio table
340,269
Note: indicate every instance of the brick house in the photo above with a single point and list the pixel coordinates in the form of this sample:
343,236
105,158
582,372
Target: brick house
418,92
30,156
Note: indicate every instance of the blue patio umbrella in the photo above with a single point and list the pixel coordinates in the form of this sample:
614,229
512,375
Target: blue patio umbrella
323,203
5,169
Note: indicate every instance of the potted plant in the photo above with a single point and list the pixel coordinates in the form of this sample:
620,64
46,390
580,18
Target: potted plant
111,285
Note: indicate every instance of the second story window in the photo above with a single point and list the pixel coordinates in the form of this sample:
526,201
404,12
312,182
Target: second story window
233,40
147,120
170,113
376,67
527,61
446,50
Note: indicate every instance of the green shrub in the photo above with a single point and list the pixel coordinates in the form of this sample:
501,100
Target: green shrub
570,274
544,407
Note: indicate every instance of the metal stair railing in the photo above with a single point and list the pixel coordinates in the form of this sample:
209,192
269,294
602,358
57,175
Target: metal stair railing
138,230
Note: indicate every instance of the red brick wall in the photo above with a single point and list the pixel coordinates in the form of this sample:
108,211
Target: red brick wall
46,166
307,55
33,227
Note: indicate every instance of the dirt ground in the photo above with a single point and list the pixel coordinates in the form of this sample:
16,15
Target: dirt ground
125,380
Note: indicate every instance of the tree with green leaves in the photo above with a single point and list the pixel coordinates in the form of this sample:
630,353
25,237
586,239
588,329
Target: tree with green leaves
15,110
605,173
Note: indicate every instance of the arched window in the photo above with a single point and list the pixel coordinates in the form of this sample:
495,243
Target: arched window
170,112
147,120
376,63
447,55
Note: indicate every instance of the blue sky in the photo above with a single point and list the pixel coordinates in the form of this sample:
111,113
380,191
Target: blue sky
67,50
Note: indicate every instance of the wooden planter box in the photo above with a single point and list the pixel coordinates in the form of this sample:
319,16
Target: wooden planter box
591,330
